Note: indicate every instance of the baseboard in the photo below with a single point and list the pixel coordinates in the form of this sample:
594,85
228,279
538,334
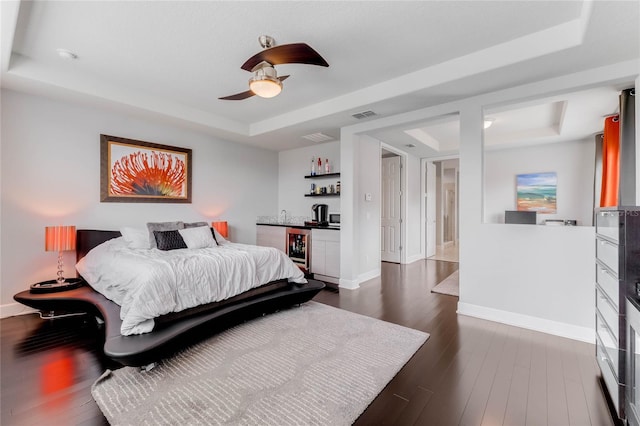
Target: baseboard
374,273
13,309
415,258
354,284
348,284
583,334
326,279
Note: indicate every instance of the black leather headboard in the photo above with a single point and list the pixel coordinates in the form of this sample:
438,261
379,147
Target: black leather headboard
86,239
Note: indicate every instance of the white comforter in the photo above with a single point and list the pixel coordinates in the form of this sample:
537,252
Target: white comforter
150,283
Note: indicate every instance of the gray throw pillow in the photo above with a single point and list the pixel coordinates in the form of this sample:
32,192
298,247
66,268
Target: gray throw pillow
162,226
195,224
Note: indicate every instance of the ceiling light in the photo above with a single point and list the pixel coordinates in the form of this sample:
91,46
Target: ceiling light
66,54
488,122
265,83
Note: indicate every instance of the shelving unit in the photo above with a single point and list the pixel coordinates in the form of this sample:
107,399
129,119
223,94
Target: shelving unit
323,175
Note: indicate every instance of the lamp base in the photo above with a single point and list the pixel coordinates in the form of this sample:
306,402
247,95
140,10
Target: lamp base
52,286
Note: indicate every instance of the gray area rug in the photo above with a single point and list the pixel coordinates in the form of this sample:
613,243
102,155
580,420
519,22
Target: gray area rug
449,286
308,365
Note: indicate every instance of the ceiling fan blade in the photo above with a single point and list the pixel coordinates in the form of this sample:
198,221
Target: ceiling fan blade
295,53
284,77
238,96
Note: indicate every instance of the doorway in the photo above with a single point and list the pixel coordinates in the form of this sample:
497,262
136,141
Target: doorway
442,180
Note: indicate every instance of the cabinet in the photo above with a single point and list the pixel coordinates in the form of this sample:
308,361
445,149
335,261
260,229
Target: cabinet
336,193
272,236
617,271
325,255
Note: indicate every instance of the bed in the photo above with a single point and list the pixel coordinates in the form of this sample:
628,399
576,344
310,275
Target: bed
172,330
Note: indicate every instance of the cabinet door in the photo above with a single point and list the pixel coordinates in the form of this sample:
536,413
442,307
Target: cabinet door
318,257
271,236
332,257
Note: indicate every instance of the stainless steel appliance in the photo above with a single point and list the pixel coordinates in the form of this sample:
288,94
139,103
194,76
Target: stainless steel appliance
320,213
299,247
617,272
334,219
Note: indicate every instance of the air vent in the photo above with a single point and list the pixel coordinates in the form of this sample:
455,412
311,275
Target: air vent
410,145
318,137
363,114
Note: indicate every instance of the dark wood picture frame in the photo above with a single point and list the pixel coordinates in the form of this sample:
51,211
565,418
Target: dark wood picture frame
133,171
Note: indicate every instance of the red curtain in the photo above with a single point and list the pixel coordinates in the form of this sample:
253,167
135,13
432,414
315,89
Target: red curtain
610,162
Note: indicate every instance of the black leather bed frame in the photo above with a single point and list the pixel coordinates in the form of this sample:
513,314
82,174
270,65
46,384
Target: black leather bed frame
171,332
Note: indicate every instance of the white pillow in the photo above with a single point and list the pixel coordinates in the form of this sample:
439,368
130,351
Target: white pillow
219,238
136,238
199,237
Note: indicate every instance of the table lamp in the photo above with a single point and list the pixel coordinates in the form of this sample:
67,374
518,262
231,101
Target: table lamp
60,238
222,228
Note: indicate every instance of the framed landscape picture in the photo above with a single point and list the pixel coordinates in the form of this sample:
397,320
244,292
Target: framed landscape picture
537,192
143,172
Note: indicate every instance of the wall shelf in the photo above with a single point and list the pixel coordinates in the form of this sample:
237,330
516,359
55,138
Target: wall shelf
323,175
335,194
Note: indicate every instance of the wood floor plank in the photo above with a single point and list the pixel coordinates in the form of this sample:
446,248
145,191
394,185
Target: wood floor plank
477,403
497,403
557,412
516,410
537,412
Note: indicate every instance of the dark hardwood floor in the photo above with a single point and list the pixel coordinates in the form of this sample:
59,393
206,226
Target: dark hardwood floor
469,372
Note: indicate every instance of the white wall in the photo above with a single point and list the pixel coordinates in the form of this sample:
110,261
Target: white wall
293,165
572,161
537,277
50,175
368,223
415,224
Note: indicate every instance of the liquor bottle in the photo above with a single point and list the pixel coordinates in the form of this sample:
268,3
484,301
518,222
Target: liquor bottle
327,169
313,166
319,165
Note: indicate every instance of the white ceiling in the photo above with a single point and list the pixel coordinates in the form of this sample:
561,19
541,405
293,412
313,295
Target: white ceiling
173,60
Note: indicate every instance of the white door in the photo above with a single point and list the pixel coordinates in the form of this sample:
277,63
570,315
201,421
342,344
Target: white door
430,213
390,220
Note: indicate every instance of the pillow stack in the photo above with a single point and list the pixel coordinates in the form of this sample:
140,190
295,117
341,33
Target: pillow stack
172,236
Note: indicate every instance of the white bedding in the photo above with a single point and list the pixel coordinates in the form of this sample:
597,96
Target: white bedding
150,283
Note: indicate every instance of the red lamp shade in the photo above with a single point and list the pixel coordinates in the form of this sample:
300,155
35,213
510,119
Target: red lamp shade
59,238
222,228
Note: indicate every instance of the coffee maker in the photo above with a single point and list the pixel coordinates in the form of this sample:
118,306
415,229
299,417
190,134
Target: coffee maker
320,214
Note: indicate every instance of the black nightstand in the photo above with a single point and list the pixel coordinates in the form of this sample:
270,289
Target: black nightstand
56,301
53,286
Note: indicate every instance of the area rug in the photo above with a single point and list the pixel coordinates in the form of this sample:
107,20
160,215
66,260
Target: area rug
308,365
448,286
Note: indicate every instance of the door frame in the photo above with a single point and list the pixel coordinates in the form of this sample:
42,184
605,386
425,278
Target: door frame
423,189
404,202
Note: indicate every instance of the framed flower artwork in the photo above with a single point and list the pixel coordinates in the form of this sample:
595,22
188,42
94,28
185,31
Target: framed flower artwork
143,172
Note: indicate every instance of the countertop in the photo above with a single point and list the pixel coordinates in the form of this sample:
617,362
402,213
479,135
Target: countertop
298,226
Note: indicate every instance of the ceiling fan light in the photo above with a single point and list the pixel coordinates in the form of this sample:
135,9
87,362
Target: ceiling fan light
265,86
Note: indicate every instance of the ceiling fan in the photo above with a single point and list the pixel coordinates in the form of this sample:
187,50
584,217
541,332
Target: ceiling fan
265,81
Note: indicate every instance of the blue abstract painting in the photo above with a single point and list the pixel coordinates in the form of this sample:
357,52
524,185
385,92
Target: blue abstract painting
537,192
